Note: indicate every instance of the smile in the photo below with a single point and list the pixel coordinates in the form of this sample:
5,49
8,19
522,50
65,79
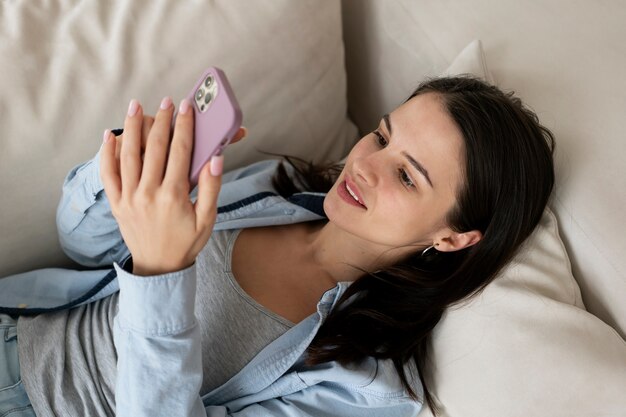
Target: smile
352,193
349,195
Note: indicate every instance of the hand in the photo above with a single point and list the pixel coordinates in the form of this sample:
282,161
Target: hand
162,228
148,121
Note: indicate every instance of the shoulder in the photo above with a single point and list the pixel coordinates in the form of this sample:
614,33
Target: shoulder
372,382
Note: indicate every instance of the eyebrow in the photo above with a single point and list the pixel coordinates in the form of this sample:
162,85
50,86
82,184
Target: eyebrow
419,167
387,122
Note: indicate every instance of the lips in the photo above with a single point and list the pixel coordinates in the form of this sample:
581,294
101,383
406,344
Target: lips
352,187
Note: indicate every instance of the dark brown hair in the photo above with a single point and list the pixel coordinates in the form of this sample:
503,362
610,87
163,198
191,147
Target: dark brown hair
509,176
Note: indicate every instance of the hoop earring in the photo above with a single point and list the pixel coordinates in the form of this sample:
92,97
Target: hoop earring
425,251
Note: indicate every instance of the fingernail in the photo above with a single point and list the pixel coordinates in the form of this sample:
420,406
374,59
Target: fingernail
245,131
106,136
133,107
166,103
217,165
184,106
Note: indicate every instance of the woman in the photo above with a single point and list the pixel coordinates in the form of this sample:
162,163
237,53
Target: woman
317,302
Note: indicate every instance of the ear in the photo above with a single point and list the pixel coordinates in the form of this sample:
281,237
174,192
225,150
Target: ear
457,241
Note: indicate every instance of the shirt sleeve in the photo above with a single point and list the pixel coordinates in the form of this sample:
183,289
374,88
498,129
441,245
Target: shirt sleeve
159,370
159,367
88,232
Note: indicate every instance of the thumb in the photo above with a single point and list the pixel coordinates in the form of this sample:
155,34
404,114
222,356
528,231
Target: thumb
209,185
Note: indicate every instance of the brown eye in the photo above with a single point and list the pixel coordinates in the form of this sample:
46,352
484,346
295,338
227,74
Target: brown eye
404,177
402,174
380,139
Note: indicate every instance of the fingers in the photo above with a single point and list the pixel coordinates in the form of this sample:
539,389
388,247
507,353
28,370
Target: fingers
177,171
241,133
109,173
130,154
152,135
148,121
118,145
157,146
209,184
145,130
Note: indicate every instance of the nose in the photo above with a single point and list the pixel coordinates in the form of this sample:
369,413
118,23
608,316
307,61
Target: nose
365,171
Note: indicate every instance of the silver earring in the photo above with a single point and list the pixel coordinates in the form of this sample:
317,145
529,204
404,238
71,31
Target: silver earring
425,251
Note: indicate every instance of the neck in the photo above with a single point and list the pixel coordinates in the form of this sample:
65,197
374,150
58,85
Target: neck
335,253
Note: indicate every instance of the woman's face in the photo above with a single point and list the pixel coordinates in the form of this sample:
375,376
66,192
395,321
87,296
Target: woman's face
401,203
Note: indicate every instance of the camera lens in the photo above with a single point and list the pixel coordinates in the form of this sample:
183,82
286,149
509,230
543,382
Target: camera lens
199,94
207,98
208,81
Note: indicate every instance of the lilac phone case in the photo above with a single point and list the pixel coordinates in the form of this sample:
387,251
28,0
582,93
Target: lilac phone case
217,118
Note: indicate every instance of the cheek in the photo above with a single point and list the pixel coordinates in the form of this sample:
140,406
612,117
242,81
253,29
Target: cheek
395,215
403,221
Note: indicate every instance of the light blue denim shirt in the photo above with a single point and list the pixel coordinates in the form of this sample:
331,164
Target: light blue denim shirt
155,332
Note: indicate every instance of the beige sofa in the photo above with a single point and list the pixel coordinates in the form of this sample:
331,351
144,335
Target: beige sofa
547,337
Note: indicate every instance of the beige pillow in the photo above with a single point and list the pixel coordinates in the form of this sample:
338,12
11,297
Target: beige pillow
69,70
526,346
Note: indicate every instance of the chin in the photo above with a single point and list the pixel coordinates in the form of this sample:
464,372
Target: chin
339,213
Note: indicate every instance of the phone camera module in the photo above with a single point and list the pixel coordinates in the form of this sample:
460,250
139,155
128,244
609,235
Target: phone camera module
207,93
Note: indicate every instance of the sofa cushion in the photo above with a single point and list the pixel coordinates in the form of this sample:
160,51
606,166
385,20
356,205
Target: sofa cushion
69,70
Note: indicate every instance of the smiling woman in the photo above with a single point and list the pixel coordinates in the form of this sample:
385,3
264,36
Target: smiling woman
379,171
262,297
436,231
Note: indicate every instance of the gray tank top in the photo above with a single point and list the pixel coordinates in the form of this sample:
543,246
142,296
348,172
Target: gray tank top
68,358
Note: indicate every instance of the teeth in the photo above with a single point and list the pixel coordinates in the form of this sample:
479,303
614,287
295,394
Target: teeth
352,193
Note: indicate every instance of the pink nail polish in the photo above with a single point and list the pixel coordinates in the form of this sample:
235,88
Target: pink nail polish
106,136
166,103
217,165
184,106
133,107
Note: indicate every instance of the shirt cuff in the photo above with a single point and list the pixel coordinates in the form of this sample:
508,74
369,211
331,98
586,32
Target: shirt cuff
159,304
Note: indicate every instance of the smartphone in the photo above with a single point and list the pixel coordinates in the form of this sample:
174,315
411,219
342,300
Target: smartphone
217,118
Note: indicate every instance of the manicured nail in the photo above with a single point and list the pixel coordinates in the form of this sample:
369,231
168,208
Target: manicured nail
245,131
217,165
166,103
107,136
184,106
133,107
